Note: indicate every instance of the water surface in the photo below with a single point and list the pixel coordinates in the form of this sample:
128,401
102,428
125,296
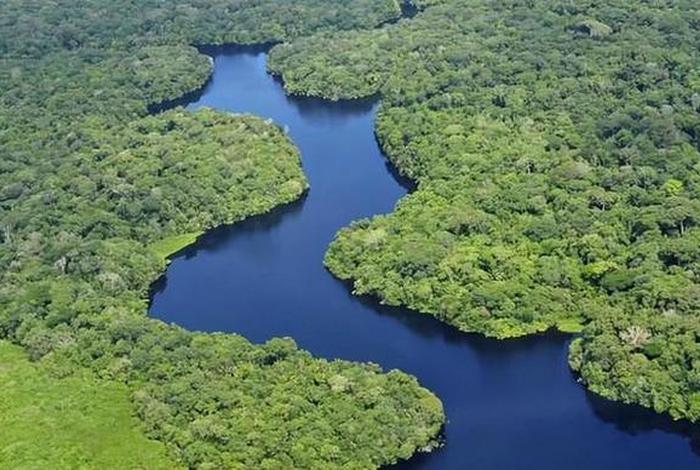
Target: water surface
510,404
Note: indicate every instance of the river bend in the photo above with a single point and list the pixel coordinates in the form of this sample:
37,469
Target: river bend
510,404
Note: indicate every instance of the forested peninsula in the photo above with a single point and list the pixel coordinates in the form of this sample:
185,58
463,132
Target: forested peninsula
555,149
96,192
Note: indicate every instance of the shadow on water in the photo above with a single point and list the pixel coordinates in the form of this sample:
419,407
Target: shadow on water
428,326
636,420
183,100
312,107
213,239
510,404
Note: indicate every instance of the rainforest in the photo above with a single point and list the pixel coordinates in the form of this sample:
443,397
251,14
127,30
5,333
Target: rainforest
551,152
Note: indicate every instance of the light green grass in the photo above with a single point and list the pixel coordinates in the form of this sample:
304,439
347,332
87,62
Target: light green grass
570,326
173,244
77,422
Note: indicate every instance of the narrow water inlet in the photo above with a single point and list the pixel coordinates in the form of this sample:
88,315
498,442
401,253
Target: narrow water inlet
510,404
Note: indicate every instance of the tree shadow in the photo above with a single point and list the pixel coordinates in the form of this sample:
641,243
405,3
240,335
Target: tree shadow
213,239
635,420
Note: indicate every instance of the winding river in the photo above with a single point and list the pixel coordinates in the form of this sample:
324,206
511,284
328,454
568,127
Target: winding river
510,404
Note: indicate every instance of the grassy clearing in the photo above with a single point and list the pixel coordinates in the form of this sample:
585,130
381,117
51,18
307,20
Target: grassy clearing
76,422
173,244
570,326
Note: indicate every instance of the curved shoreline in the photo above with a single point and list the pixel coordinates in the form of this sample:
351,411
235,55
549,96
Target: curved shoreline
682,427
277,211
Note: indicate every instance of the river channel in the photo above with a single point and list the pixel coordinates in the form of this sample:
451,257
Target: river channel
510,404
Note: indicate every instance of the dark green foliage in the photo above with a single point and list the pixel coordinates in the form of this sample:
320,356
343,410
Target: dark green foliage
94,193
555,146
31,28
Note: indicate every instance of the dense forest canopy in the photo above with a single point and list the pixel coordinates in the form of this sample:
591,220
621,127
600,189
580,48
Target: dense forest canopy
555,146
95,193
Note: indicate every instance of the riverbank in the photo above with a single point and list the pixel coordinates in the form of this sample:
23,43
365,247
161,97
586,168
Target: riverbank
518,391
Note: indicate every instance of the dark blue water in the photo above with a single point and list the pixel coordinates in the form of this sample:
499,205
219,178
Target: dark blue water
510,404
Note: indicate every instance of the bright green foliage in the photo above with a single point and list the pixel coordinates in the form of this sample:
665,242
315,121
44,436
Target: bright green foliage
67,423
555,147
95,194
232,404
171,245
